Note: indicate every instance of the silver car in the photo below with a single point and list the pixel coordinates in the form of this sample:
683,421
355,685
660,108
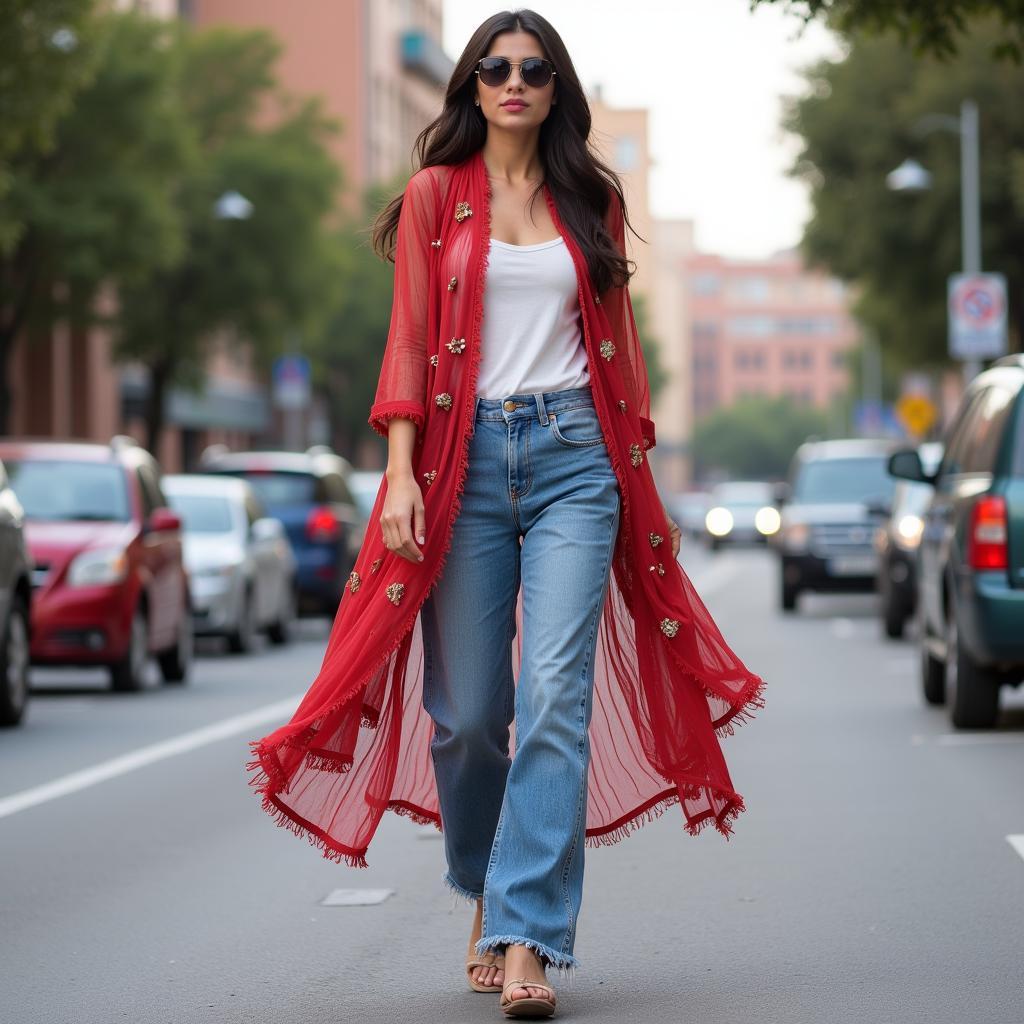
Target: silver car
240,564
15,597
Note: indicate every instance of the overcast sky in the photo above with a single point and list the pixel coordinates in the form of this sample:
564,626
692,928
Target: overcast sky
713,76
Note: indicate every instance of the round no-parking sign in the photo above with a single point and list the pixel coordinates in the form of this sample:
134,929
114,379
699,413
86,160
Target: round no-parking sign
977,316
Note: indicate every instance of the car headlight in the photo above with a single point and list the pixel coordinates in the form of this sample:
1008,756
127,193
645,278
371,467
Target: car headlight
767,521
97,568
908,531
719,521
796,537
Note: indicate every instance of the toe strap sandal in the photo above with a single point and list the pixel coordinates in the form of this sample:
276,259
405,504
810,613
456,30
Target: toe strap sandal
489,959
529,1006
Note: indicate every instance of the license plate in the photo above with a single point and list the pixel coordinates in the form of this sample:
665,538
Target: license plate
853,565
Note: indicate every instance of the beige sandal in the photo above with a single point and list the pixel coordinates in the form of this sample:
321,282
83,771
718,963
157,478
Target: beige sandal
488,959
531,1006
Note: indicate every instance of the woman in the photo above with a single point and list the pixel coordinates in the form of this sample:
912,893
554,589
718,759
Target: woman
514,398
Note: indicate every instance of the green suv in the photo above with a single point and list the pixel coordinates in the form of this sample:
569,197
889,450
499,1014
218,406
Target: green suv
971,555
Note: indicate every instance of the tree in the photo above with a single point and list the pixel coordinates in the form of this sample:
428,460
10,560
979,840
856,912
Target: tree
94,207
855,124
929,26
755,438
259,279
44,61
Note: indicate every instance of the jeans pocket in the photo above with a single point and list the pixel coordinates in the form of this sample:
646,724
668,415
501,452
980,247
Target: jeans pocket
578,427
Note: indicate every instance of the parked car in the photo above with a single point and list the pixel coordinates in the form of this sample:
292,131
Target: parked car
365,485
240,564
690,509
310,493
741,512
971,558
897,541
15,603
109,584
838,494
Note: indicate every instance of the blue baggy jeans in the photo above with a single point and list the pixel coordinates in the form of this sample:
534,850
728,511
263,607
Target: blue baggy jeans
540,508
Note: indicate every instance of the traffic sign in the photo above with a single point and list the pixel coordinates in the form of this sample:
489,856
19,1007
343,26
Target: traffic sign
977,316
916,413
291,380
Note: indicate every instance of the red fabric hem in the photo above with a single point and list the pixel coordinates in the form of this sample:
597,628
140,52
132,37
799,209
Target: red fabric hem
382,414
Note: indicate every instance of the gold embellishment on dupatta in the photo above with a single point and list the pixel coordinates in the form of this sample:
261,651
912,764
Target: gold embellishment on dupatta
354,581
462,211
456,346
607,348
394,592
622,404
433,360
436,243
659,569
636,456
452,283
377,562
430,475
597,299
443,400
669,626
655,539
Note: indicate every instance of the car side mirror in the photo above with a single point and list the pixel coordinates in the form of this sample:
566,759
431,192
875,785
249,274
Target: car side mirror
163,520
267,528
906,465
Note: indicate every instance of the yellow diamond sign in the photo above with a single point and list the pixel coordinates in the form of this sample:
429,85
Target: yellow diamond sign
916,413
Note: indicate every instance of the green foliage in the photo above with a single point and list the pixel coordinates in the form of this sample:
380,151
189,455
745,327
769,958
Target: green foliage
856,124
45,57
756,437
928,26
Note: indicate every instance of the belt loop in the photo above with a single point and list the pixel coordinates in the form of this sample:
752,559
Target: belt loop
541,411
476,407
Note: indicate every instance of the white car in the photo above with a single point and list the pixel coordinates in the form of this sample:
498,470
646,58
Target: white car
240,564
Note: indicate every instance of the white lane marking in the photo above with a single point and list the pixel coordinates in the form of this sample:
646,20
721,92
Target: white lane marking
66,784
355,897
1017,842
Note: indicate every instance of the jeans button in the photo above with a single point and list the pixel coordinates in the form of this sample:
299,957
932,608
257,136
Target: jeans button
509,406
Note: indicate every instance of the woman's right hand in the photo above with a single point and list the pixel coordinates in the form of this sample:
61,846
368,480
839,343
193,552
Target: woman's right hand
402,518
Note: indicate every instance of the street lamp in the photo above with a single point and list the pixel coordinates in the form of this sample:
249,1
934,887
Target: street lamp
910,176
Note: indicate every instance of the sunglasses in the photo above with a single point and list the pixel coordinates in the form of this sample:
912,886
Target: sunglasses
535,71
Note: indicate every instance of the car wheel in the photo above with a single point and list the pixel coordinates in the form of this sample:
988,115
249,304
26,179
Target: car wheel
893,618
176,661
129,674
280,631
14,664
973,692
242,638
788,594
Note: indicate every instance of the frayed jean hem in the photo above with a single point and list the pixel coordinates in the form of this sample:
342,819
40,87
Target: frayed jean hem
460,892
564,963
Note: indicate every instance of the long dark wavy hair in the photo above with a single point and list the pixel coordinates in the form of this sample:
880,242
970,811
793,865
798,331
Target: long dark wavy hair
577,178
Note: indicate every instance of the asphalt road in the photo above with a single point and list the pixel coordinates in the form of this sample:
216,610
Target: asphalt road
871,879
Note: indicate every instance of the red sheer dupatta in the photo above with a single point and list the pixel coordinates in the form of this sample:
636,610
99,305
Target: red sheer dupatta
667,686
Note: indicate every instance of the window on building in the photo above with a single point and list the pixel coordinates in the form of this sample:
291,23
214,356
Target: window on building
751,288
752,326
705,329
706,283
627,153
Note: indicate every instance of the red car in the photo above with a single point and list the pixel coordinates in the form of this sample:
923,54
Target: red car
108,583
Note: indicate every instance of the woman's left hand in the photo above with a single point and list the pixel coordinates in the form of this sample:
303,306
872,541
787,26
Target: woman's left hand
674,532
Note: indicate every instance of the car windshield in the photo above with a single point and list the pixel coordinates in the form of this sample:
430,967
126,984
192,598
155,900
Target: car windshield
832,481
59,491
752,495
203,513
279,488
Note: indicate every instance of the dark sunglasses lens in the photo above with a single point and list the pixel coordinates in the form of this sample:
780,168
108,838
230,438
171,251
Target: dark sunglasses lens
494,70
536,73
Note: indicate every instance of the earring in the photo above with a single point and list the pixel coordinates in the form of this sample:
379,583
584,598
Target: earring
477,102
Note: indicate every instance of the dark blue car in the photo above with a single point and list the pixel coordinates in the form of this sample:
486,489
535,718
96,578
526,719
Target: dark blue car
310,493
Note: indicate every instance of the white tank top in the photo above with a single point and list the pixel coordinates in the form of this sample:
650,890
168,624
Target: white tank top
530,337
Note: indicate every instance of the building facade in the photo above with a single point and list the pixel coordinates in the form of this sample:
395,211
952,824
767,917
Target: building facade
766,327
